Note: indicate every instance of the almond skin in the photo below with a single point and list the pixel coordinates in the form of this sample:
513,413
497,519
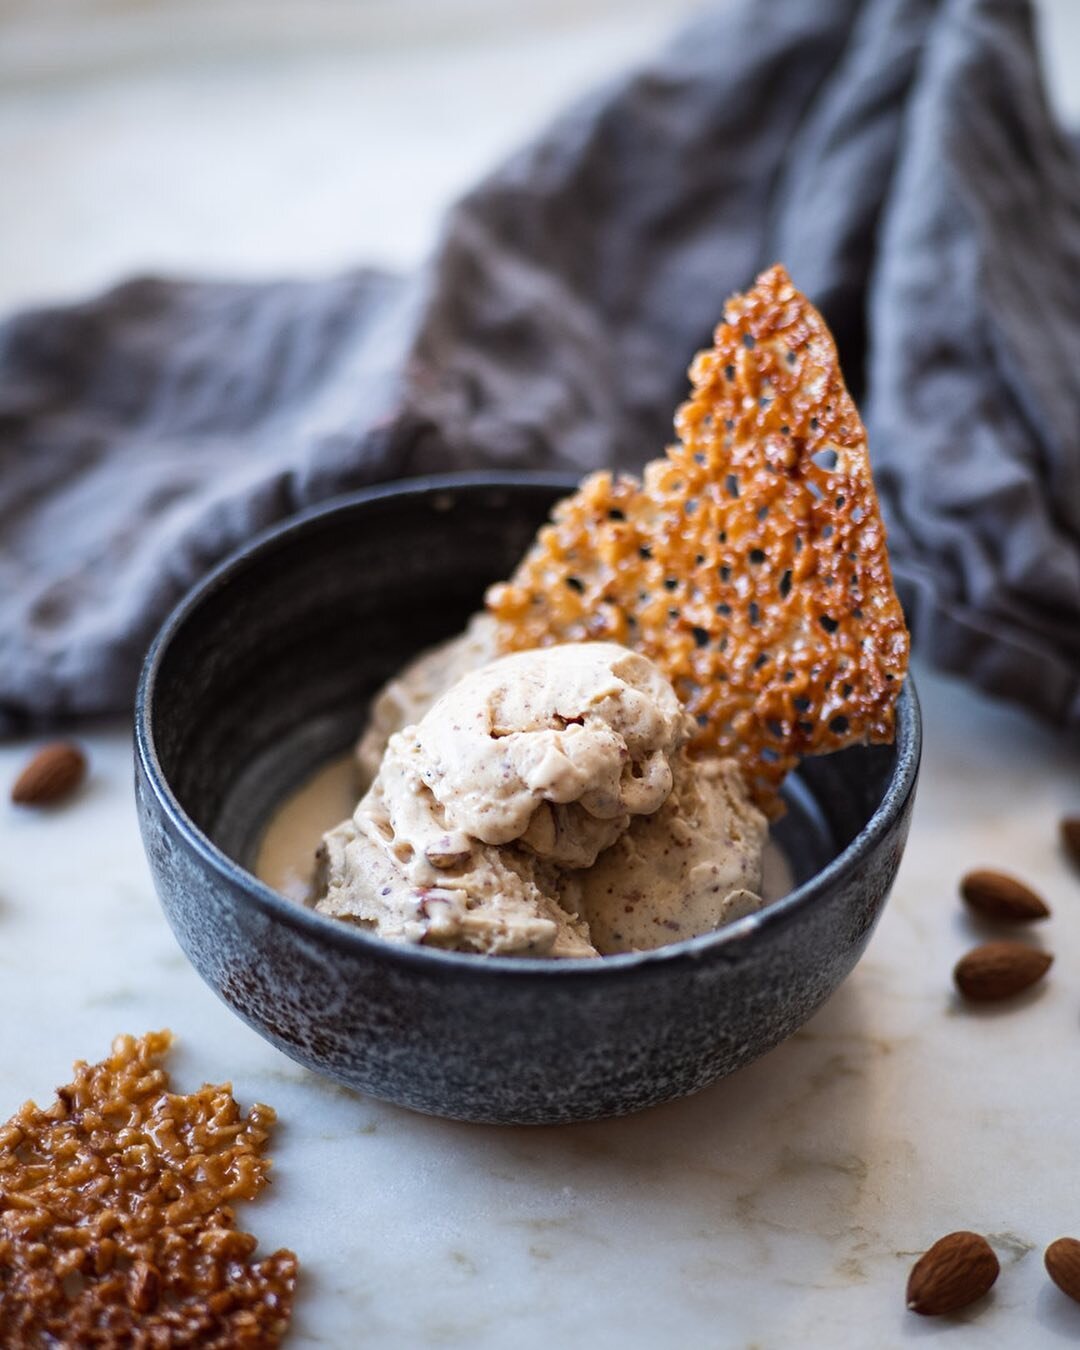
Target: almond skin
958,1269
1070,837
996,895
1063,1265
52,774
999,970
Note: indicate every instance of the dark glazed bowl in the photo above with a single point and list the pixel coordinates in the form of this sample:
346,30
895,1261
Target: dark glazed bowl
265,670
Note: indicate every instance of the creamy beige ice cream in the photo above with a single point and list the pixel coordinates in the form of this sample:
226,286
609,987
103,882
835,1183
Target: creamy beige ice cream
406,698
542,805
691,867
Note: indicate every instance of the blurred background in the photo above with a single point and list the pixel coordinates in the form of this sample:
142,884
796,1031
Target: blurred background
254,138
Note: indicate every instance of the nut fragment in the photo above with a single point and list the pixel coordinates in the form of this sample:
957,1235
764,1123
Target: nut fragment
1000,970
958,1269
1070,837
145,1287
52,774
1063,1265
116,1226
996,895
449,852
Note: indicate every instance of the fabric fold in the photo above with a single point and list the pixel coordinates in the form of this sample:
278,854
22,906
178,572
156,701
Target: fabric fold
973,406
897,155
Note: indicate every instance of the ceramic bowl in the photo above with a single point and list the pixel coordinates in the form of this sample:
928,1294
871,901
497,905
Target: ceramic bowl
264,671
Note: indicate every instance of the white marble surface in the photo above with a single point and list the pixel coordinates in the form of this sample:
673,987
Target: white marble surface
782,1207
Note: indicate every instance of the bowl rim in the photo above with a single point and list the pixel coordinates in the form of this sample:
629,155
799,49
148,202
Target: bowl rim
725,944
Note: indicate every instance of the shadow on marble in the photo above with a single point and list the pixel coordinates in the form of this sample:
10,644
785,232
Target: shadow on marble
95,786
958,1006
1057,1313
912,1327
780,1146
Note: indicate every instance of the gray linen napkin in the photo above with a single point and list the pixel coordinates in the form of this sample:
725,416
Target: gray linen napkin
898,155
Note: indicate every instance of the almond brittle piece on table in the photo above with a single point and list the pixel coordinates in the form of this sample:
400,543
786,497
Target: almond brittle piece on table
116,1221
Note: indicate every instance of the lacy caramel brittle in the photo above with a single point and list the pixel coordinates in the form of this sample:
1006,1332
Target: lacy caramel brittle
750,563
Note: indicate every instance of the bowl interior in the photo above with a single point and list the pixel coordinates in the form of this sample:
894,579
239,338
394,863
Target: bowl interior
267,671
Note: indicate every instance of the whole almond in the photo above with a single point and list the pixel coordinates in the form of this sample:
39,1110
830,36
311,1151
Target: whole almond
1070,837
999,970
996,895
1063,1265
54,772
957,1269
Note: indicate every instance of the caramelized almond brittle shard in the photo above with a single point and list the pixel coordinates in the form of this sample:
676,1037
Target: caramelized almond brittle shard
116,1227
750,563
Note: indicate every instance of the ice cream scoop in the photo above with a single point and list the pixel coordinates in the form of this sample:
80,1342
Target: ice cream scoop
488,817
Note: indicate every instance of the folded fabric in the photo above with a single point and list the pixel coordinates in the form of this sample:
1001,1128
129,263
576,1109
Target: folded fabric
897,155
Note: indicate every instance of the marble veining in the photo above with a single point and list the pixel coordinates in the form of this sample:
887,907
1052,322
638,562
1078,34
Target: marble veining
781,1207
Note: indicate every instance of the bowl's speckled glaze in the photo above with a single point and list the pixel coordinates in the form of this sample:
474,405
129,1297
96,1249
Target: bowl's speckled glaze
265,670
